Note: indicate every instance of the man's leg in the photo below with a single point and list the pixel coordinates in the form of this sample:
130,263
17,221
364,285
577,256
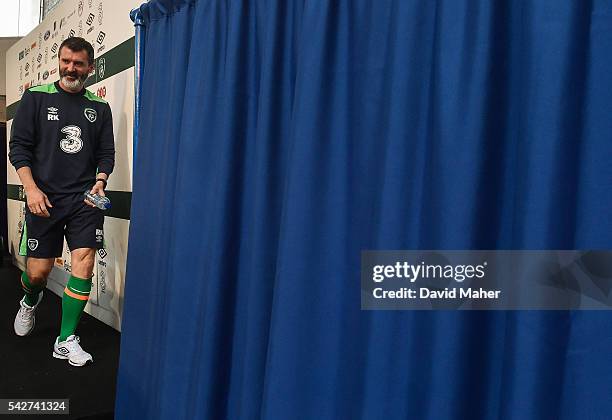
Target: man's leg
77,290
83,233
74,300
33,281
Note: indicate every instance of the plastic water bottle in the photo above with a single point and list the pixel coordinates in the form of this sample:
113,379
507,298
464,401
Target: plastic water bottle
103,203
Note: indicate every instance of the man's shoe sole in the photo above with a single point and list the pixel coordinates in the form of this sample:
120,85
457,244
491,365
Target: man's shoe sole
62,357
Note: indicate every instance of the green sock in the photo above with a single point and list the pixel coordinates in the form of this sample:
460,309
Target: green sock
74,300
31,290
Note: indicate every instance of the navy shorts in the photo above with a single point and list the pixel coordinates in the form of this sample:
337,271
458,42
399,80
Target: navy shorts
82,225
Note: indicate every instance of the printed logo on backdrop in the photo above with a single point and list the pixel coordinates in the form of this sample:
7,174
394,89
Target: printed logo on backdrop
80,8
21,220
59,262
32,244
22,215
100,40
89,22
67,258
45,75
99,235
21,55
80,28
71,33
54,48
102,275
72,143
39,58
27,68
91,115
100,13
89,2
46,54
101,67
101,92
47,35
102,253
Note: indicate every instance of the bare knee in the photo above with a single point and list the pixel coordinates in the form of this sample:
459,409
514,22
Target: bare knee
38,275
38,270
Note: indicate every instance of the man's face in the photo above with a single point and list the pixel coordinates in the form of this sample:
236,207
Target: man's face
74,68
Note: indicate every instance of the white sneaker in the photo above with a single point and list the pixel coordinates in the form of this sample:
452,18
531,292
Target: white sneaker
26,318
71,350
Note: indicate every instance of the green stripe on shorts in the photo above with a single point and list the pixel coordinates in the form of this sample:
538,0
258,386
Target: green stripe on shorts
23,245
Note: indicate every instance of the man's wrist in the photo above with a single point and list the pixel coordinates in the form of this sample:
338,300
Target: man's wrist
103,181
30,187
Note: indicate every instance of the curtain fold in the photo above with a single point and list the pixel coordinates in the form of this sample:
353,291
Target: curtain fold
280,138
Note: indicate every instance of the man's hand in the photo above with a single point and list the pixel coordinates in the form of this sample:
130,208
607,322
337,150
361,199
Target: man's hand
98,188
38,202
36,199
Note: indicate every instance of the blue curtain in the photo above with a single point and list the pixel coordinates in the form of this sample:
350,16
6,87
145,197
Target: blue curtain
280,138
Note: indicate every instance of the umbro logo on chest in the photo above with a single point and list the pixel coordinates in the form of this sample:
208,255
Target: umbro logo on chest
52,114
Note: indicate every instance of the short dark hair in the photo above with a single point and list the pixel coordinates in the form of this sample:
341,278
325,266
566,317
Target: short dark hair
77,44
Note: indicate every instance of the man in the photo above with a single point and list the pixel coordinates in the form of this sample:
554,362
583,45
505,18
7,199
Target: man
61,144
